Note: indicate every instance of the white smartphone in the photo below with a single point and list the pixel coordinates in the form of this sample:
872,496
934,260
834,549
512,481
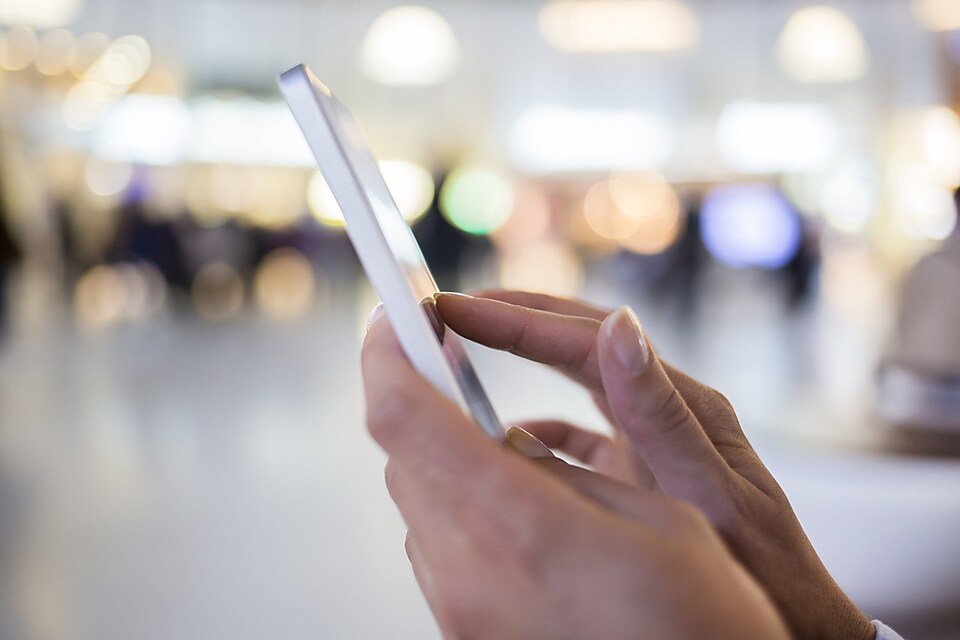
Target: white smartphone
385,245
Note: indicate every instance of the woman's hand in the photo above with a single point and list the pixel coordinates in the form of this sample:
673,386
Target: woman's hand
503,547
673,435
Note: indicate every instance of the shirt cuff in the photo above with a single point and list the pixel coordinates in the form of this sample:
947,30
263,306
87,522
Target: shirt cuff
885,633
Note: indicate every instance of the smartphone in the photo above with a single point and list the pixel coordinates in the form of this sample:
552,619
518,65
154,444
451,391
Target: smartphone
385,245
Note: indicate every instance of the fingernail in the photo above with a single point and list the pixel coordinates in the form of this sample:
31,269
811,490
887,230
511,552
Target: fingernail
526,445
629,344
377,311
451,294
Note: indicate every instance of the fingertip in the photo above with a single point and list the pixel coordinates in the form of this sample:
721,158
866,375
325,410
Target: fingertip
623,337
380,338
375,315
526,444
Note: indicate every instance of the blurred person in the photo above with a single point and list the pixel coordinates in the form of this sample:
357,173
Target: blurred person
801,270
140,237
679,531
687,261
9,258
920,373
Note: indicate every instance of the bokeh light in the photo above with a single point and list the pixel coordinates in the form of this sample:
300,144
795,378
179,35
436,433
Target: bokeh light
107,178
639,210
821,44
124,62
605,217
922,206
153,130
284,285
280,202
18,48
749,225
607,26
552,138
53,54
99,297
654,204
85,51
124,292
937,15
530,221
938,130
323,205
409,46
850,197
476,200
764,138
852,278
234,190
217,292
549,267
41,14
411,186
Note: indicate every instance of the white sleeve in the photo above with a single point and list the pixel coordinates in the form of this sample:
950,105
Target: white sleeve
885,633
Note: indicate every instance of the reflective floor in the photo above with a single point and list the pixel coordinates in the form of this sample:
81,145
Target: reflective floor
182,480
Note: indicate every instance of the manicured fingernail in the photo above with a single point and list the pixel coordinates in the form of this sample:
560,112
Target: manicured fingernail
377,311
526,445
629,344
451,294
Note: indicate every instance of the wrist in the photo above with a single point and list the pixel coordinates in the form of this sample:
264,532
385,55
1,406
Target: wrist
863,628
848,623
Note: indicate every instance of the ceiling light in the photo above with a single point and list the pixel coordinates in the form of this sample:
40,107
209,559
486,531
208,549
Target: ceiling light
409,46
608,26
821,44
41,14
555,139
763,138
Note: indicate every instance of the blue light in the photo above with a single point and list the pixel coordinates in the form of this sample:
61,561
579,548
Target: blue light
749,225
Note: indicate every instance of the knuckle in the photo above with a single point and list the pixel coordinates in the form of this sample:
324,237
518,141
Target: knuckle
673,413
721,401
408,546
390,480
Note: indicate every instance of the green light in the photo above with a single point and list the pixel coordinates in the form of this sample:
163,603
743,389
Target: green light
476,201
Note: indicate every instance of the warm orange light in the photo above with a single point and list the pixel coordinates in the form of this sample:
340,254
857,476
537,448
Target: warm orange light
639,210
284,285
549,267
217,292
605,26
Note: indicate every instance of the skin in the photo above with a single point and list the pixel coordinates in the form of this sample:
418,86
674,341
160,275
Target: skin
672,436
504,546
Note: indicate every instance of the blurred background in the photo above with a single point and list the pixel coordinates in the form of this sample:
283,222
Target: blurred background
182,452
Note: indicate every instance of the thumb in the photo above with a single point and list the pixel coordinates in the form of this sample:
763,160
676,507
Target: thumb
652,413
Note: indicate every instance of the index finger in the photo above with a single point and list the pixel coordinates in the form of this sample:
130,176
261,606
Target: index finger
544,302
562,341
563,333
